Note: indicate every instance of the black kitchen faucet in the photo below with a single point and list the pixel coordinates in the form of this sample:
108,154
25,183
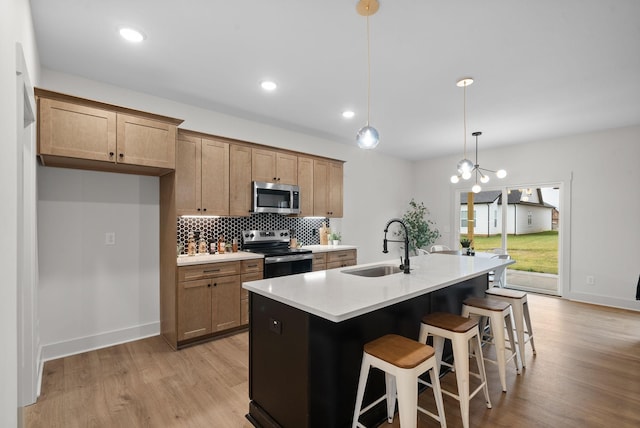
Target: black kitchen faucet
404,265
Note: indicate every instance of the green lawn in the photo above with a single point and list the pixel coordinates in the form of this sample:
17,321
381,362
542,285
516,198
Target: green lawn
536,252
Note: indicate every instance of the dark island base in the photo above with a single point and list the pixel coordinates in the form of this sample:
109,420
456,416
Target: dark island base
303,369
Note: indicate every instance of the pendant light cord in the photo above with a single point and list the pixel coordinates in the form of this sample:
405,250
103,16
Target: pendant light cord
368,72
464,118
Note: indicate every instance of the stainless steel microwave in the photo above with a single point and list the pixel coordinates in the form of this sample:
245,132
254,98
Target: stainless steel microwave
276,198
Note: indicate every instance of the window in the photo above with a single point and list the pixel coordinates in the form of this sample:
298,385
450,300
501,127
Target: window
529,218
463,219
495,218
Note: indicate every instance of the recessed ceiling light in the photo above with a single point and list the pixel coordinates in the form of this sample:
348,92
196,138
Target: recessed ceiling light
131,35
348,114
268,85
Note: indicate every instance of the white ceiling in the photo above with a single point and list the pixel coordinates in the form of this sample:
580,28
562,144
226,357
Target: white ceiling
542,68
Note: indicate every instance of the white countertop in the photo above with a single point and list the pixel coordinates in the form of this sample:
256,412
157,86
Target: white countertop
337,296
184,260
327,248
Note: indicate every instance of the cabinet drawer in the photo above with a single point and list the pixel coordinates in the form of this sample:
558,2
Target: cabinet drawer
341,263
337,256
189,273
252,266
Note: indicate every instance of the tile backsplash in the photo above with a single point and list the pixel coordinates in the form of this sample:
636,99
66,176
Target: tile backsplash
232,227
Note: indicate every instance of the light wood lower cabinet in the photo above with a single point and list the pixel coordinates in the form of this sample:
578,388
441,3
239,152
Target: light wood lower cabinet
210,298
342,258
319,261
252,270
334,259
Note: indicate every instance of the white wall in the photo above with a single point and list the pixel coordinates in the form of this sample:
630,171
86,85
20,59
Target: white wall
93,294
15,27
93,301
600,173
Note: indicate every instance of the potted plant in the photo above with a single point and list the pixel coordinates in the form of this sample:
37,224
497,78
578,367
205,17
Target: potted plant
335,238
465,242
422,231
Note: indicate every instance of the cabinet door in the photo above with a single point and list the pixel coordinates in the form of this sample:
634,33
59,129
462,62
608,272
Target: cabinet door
287,168
263,165
188,195
76,131
244,295
335,189
320,185
225,302
194,308
305,182
146,142
239,180
215,177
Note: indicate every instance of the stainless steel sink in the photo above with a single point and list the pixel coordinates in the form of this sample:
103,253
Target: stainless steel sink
374,271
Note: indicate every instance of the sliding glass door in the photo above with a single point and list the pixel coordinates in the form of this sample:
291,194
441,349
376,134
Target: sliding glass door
522,222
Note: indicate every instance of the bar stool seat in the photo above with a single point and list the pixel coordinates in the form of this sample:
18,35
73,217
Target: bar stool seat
402,360
499,314
462,332
520,310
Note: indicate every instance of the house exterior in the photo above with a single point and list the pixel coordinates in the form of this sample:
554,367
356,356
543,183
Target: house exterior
526,212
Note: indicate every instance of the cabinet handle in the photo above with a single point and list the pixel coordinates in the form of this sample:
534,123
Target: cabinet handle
198,209
204,209
111,154
215,284
121,155
208,285
342,255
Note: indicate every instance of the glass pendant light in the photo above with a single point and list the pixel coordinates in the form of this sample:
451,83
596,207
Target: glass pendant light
368,137
465,166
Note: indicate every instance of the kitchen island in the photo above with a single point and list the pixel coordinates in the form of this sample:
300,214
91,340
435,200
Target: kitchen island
307,332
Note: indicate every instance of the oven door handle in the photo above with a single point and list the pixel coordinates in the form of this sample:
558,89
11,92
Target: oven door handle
288,258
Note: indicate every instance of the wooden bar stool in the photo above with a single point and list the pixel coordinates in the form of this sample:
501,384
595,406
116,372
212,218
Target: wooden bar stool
520,309
461,331
402,360
499,315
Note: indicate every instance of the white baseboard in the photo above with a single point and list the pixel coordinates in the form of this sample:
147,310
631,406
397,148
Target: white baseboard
79,345
40,362
633,305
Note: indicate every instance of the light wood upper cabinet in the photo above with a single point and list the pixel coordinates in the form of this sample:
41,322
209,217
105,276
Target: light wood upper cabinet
215,177
202,176
327,188
145,142
78,133
305,182
274,167
239,180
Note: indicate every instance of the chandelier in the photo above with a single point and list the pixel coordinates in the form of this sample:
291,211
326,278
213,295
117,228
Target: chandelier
466,168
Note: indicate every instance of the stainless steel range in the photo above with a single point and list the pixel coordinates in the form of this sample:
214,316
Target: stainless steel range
279,259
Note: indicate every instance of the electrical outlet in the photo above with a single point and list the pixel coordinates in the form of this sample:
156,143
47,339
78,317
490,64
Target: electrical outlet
110,238
591,280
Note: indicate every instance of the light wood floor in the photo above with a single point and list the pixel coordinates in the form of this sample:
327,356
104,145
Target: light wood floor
586,374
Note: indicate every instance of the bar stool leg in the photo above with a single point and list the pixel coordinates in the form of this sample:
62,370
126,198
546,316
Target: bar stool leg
518,319
508,321
476,345
461,364
390,382
497,329
408,401
362,383
437,392
529,329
